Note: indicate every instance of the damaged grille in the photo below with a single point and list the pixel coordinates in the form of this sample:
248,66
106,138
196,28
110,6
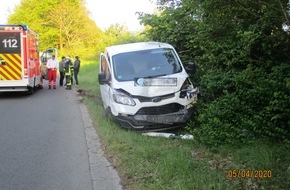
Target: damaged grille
158,110
151,99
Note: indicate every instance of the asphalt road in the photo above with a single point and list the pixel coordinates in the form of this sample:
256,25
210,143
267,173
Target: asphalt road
48,142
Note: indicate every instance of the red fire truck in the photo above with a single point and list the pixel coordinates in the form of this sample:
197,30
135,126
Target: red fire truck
19,59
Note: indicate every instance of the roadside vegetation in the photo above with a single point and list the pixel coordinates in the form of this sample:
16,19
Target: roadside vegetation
154,163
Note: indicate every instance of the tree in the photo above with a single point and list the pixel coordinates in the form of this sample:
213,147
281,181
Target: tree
119,34
67,27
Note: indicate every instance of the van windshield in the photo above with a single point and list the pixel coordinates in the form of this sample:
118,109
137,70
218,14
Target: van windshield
145,63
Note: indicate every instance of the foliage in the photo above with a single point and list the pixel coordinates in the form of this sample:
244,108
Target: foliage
242,56
173,25
60,23
119,34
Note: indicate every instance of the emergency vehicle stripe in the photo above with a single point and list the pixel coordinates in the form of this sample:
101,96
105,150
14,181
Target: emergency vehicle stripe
14,62
3,76
12,69
12,74
8,74
15,58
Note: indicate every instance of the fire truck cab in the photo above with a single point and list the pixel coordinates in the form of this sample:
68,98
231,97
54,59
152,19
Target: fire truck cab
19,59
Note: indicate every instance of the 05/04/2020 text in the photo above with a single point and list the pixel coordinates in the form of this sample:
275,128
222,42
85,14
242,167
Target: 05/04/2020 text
249,173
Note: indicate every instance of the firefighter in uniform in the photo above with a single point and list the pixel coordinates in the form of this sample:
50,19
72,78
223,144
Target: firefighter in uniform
69,72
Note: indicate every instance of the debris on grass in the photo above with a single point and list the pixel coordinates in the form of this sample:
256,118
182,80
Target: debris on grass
168,135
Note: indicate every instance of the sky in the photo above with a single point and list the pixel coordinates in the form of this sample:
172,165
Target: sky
103,12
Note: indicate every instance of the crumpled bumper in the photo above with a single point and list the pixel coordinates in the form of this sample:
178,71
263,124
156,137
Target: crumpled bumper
178,117
154,121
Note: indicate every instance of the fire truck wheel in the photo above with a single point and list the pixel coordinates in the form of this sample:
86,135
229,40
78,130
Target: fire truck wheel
30,90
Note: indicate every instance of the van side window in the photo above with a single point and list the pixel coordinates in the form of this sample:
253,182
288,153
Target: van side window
105,67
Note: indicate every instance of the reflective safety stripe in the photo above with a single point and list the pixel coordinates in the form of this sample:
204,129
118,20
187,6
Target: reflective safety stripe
10,67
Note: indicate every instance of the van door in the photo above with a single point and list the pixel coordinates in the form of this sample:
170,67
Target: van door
48,54
105,88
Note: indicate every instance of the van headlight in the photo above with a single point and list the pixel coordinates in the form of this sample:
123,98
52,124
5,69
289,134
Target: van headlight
122,98
187,90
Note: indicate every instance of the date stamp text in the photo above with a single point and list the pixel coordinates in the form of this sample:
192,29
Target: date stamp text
244,173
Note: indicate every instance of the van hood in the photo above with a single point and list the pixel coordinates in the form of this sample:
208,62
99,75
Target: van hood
151,87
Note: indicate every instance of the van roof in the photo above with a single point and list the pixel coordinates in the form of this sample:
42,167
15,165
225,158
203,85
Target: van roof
117,49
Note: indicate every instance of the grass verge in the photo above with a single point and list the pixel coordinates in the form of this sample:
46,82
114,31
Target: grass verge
148,163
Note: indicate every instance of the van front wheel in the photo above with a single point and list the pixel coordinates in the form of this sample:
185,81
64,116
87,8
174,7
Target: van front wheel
107,112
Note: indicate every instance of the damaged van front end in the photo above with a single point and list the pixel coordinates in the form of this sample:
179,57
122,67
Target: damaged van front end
145,86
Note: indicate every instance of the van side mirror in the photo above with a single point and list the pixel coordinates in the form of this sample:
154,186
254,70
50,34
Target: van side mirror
190,67
102,78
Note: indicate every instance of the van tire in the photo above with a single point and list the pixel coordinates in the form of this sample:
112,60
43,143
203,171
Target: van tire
106,112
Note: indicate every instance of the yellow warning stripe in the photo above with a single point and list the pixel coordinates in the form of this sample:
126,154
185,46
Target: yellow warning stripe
11,70
16,62
12,74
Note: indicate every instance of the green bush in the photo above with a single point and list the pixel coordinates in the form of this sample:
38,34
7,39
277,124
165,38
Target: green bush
244,105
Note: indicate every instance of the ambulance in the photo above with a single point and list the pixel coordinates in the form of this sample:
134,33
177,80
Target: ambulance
19,59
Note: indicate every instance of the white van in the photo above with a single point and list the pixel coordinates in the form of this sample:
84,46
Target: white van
145,86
